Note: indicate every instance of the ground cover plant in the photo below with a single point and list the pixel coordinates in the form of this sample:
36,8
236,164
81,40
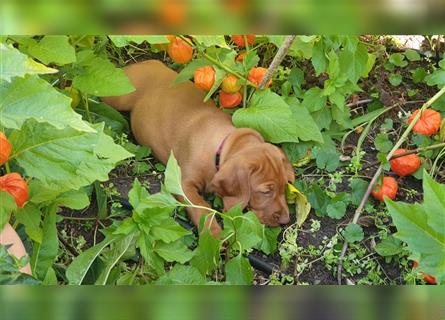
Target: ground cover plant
356,115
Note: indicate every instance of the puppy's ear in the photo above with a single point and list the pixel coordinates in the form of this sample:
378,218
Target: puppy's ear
288,168
232,183
290,173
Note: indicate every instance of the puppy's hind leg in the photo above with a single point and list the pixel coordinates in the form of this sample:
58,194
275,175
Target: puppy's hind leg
195,214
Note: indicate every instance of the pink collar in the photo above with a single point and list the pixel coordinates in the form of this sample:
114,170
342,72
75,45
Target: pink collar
219,151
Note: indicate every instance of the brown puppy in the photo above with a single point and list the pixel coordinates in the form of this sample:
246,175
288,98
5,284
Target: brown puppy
169,117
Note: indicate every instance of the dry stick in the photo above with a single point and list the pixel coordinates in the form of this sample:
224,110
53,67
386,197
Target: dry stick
407,153
402,139
282,51
357,103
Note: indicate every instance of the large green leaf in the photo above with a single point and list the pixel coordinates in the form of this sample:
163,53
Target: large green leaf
100,77
32,97
55,49
422,227
122,41
270,115
67,158
13,63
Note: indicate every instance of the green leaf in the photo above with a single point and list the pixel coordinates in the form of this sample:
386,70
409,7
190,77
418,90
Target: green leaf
100,77
206,254
151,258
395,79
188,71
319,60
169,232
174,251
390,246
337,210
326,158
419,74
382,143
412,55
7,206
269,240
101,112
101,200
314,99
270,115
74,199
209,41
185,275
45,253
173,181
398,59
296,77
306,127
48,154
122,41
358,187
353,233
118,249
436,78
219,76
32,97
421,227
248,229
434,202
239,271
31,217
15,64
354,64
10,270
126,227
78,269
56,49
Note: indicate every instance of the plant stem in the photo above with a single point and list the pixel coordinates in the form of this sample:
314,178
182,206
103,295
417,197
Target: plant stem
418,150
8,169
365,198
282,51
218,63
87,108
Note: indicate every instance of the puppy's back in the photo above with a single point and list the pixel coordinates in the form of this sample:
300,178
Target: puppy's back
143,75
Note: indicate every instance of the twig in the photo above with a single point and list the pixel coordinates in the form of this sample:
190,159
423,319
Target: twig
357,103
406,153
377,174
282,51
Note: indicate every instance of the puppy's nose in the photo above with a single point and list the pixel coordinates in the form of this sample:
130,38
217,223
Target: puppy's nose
284,219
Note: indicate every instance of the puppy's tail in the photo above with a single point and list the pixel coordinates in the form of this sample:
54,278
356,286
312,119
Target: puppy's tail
122,103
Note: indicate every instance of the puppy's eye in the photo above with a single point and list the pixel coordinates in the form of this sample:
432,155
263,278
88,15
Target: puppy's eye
267,192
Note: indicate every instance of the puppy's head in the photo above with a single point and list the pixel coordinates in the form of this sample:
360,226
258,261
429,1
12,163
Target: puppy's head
256,177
